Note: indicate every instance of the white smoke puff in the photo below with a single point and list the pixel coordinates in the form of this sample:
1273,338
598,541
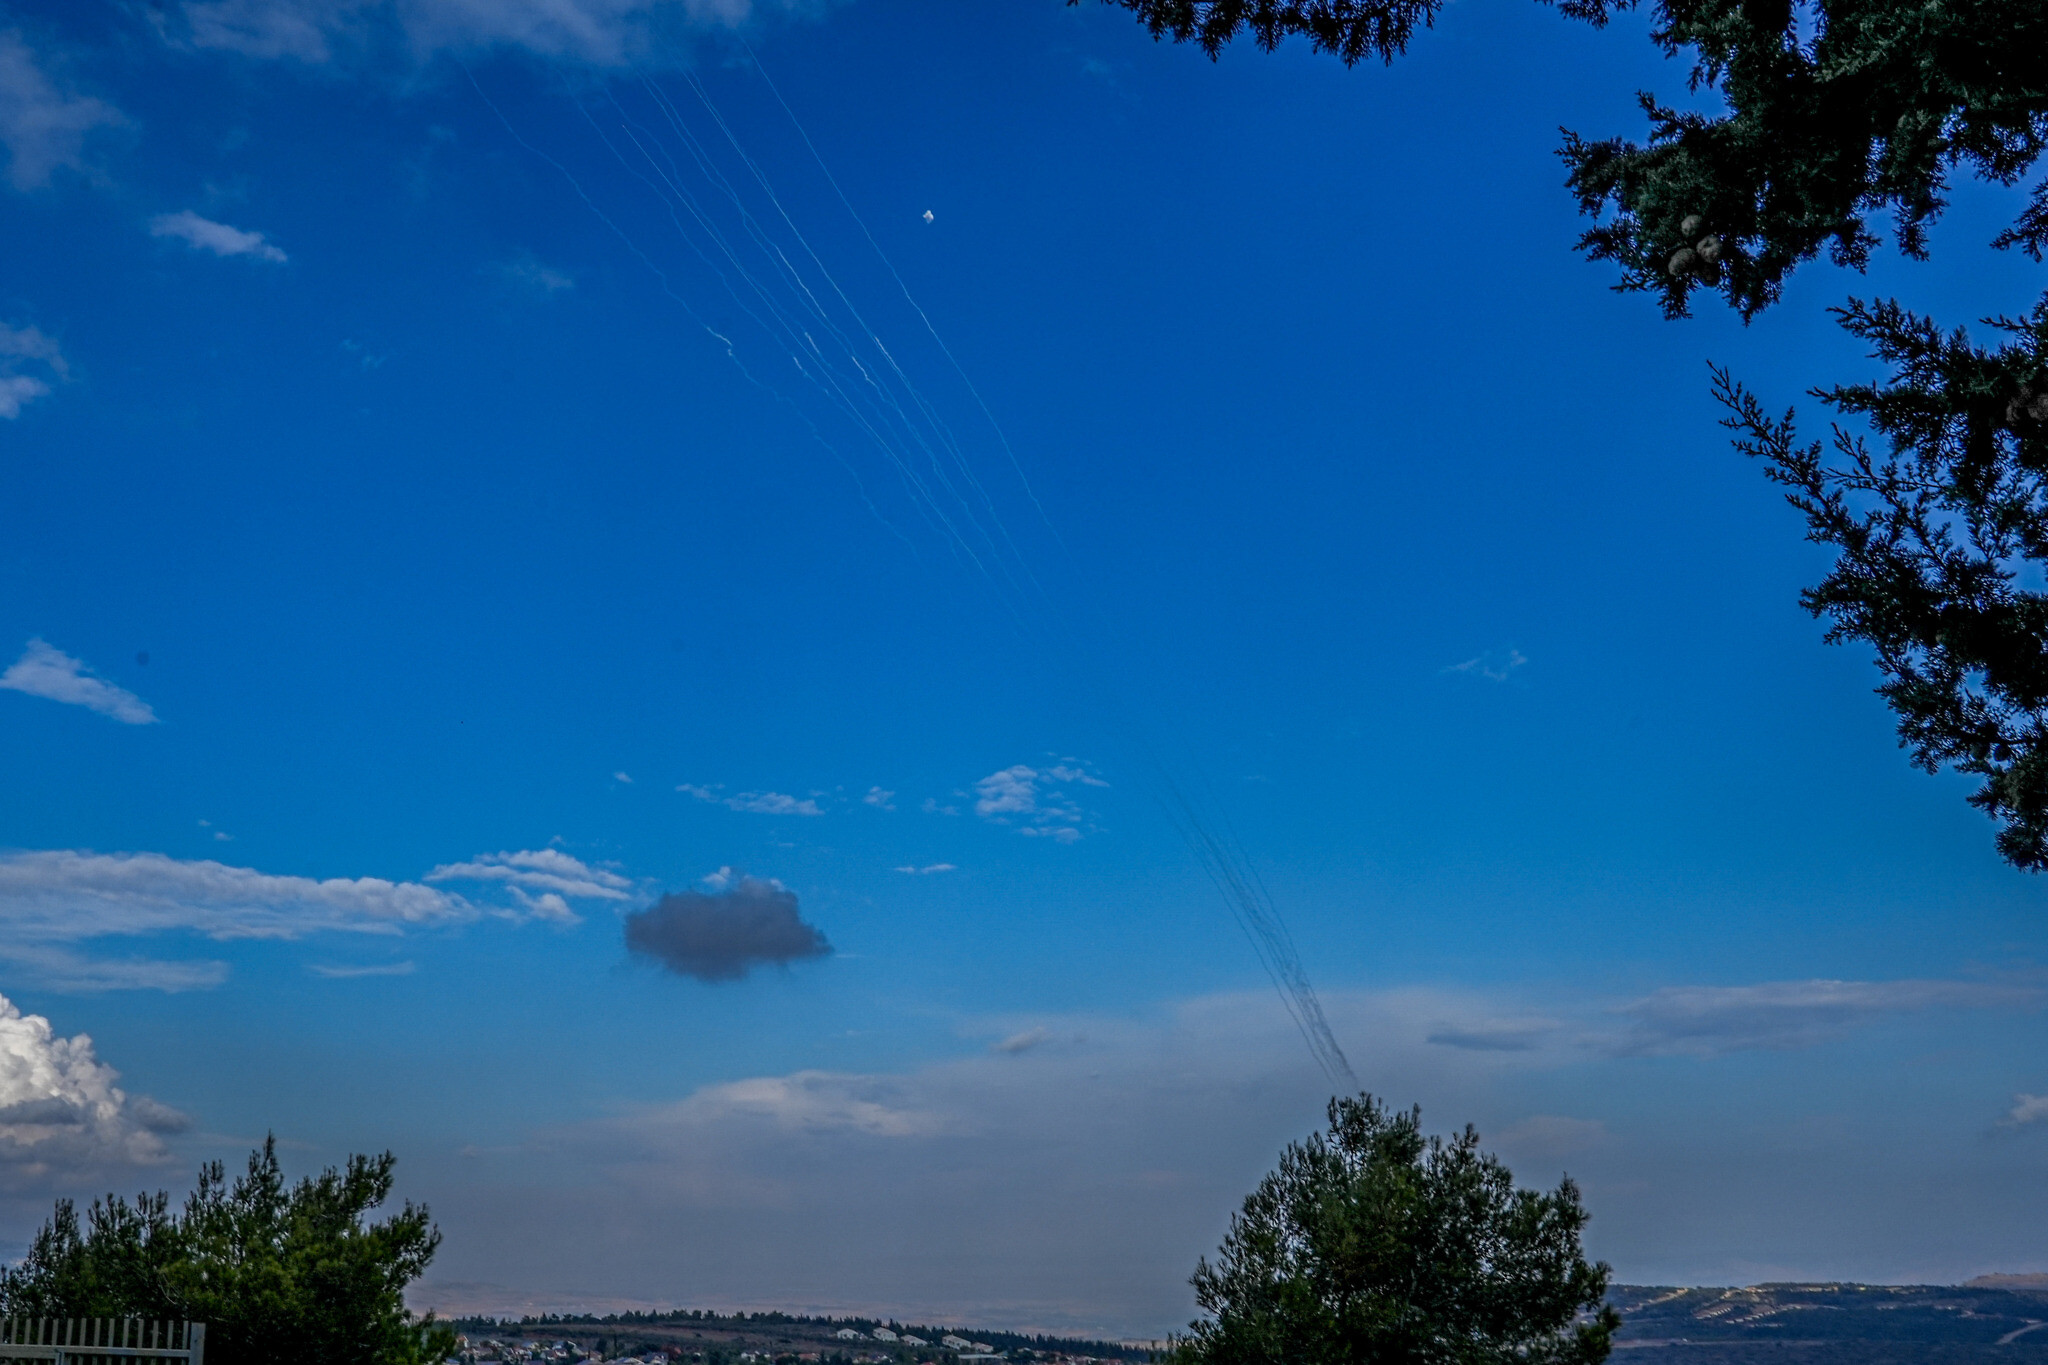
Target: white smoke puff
60,1111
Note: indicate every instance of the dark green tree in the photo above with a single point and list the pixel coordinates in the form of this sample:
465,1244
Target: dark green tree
1834,111
1371,1242
278,1271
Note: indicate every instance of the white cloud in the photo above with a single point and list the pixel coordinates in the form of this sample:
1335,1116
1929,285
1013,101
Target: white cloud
2026,1109
48,672
27,348
549,872
529,272
203,234
878,797
60,1110
1782,1015
42,125
346,973
1034,799
622,777
602,32
1021,1042
1496,665
928,869
753,803
68,896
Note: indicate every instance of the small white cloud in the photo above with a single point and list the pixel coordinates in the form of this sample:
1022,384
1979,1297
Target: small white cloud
541,881
928,215
530,273
26,348
1033,799
2026,1109
48,672
42,125
928,869
203,234
878,797
350,973
621,777
1021,1042
753,803
1496,665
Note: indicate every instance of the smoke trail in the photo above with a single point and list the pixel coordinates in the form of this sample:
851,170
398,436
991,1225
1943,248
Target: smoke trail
769,269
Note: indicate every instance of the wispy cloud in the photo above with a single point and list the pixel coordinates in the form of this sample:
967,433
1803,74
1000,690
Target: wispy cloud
1021,1042
529,273
48,672
600,32
347,973
1513,1035
876,796
928,869
723,932
43,125
541,881
1781,1015
622,777
28,361
1496,665
1034,800
753,803
2026,1109
60,908
203,234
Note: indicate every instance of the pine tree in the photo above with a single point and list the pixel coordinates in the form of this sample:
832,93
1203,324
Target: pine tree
1835,111
1371,1242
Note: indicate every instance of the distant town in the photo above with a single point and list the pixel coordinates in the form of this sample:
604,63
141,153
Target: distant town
700,1337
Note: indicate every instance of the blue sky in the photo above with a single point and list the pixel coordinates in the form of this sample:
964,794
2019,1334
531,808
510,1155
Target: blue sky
418,561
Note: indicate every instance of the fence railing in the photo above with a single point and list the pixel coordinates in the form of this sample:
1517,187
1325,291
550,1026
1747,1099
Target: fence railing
103,1341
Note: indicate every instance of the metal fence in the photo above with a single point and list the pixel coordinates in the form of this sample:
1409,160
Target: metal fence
103,1341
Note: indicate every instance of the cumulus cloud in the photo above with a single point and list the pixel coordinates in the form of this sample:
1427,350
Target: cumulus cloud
203,234
878,797
602,32
928,869
753,803
1035,800
1782,1015
46,671
725,931
43,125
61,1112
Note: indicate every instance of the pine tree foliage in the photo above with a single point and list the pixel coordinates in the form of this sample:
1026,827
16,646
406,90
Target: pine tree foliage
277,1271
1869,113
1351,29
1373,1242
1941,542
1832,114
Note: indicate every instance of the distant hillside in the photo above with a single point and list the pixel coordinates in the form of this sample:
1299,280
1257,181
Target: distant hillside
709,1338
1992,1319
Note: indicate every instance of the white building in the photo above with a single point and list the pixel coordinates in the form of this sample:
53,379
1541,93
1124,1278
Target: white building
884,1334
848,1334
